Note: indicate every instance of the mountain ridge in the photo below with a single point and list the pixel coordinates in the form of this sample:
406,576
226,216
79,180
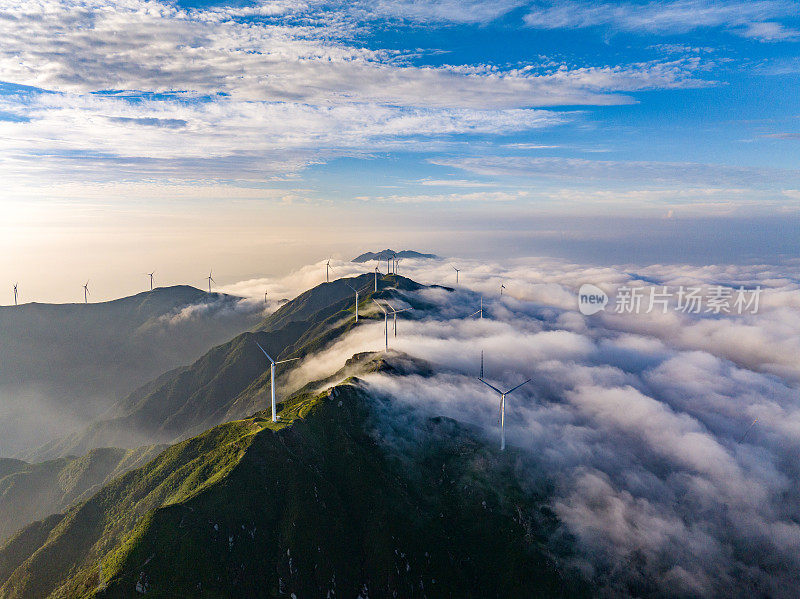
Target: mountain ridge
388,253
250,508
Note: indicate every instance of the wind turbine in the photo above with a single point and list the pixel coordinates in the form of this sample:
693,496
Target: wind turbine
273,363
86,293
150,274
210,280
265,297
458,270
388,268
502,405
328,268
356,290
376,278
394,313
385,323
501,288
15,293
479,311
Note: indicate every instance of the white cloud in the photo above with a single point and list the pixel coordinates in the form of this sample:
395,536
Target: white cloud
187,93
751,19
636,423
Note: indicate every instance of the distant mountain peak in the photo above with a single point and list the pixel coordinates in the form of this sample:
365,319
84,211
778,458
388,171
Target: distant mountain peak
388,253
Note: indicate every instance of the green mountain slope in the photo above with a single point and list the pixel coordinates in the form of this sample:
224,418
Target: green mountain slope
65,364
320,504
228,382
29,492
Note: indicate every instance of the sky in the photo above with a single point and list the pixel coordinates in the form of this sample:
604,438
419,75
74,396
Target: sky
254,137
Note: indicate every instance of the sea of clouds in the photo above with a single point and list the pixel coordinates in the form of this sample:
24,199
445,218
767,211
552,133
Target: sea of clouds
643,423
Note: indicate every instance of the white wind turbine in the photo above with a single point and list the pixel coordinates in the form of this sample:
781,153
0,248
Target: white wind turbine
502,404
210,280
394,313
15,293
376,278
265,296
150,274
86,293
356,292
385,323
501,288
328,268
386,314
458,270
273,363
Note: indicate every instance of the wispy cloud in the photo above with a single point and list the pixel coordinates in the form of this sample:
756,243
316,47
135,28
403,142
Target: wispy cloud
748,19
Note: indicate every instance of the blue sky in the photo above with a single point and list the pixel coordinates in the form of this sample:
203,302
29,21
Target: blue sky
660,109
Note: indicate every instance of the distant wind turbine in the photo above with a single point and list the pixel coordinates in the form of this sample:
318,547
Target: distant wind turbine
501,288
388,267
376,278
458,270
479,311
265,297
150,274
210,280
356,291
86,293
328,268
15,293
273,363
502,405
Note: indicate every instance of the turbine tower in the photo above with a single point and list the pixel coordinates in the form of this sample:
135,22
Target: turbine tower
210,280
376,278
86,293
15,293
272,364
265,297
150,274
501,288
458,270
502,405
356,291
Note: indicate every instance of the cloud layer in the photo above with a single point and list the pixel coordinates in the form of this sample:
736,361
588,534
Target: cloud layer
642,424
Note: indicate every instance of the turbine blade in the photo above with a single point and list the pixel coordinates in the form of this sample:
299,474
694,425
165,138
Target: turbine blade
288,360
381,307
490,386
518,386
265,352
